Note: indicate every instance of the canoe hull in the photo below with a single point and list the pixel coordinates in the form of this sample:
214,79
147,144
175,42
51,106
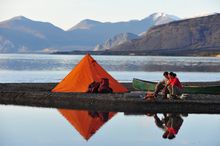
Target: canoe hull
150,86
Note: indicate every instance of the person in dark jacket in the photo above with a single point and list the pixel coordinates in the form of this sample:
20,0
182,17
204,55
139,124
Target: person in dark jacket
104,86
93,87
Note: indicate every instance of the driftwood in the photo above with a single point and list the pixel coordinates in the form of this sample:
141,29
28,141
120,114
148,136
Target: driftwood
39,95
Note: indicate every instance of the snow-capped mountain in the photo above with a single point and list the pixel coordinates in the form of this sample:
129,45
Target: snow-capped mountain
21,34
199,35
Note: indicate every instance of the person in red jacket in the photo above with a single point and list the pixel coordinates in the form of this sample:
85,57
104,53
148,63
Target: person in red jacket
173,87
172,126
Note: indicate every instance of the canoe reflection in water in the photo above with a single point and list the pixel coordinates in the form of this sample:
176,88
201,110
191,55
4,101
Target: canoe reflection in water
169,123
86,122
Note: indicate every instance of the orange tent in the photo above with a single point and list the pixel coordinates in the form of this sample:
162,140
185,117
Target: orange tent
87,71
85,124
78,80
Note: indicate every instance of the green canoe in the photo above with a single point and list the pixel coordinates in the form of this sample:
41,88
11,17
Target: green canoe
200,88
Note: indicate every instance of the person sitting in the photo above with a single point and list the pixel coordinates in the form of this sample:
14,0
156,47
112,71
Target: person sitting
160,85
93,87
173,87
104,86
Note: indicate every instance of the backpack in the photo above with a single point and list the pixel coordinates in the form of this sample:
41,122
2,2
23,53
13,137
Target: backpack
93,87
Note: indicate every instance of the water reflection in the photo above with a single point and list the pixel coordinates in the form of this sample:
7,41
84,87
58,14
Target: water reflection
170,124
86,122
29,126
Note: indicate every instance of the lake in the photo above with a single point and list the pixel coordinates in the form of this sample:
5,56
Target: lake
24,126
53,68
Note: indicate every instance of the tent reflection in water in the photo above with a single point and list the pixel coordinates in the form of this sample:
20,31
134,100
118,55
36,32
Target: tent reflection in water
78,80
83,122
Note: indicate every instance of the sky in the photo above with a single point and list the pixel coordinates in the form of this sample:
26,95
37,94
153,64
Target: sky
67,13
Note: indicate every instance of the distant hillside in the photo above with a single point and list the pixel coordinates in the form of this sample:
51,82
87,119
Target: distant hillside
197,35
153,19
21,34
93,32
115,41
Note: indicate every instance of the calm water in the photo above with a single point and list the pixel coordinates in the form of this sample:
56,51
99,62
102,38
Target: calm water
53,68
24,126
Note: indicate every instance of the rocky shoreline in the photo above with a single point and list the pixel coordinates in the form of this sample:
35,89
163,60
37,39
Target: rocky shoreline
39,95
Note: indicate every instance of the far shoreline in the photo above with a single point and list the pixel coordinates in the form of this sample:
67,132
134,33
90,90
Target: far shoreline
170,53
127,53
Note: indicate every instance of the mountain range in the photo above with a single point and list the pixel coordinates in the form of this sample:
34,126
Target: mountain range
115,41
184,37
23,35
